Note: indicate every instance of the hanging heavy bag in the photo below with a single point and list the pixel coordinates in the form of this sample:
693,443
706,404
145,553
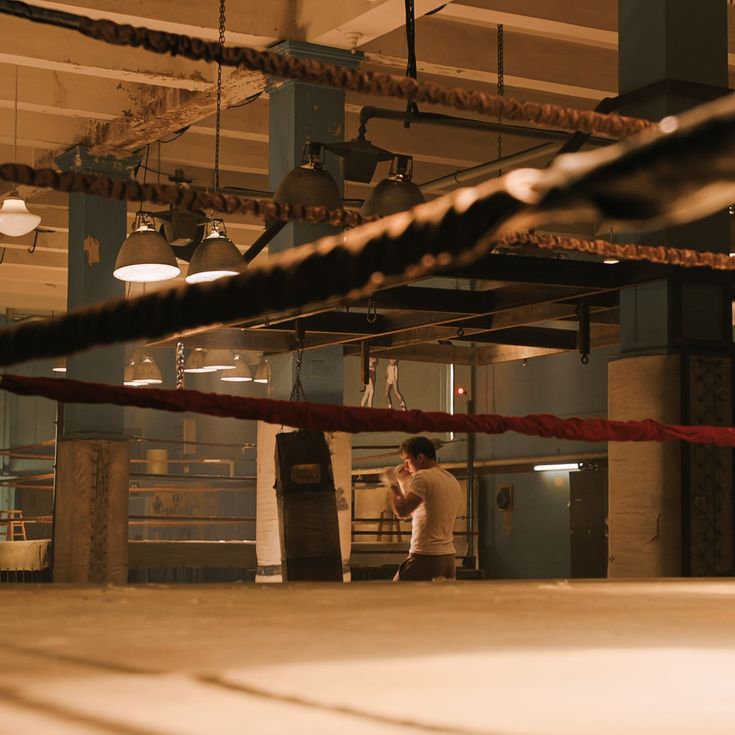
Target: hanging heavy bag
307,508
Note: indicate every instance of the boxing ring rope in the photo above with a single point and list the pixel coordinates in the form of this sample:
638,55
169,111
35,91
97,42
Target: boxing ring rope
683,173
176,196
355,419
316,72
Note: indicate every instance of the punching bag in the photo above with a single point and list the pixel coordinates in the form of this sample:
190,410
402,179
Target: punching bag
307,508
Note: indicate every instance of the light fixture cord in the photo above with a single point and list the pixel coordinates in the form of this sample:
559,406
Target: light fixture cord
218,116
412,109
15,118
501,85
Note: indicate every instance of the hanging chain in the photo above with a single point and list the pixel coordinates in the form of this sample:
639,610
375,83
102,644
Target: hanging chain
179,364
372,311
218,116
501,84
297,392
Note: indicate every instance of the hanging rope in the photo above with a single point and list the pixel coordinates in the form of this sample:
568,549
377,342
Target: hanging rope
315,72
354,419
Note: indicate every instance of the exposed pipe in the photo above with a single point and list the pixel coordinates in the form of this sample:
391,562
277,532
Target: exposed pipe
432,118
483,169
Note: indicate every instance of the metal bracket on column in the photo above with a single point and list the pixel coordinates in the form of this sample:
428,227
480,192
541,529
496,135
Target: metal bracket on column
583,335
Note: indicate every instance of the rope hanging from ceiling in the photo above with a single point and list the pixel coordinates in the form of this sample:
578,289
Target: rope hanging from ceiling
680,175
355,419
316,72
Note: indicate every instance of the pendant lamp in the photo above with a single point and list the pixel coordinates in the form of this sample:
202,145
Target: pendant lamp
240,374
215,257
15,219
59,365
145,256
261,374
219,360
309,184
195,362
147,372
397,193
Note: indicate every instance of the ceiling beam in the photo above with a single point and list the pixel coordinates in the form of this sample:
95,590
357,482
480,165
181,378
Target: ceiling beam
249,22
170,111
593,24
43,47
332,22
461,51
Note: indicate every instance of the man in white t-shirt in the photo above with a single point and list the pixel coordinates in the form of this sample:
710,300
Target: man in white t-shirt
430,496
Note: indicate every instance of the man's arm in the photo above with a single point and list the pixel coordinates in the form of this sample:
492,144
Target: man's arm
403,505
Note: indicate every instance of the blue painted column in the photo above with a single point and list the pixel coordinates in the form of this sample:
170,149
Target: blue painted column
300,112
90,533
97,228
671,509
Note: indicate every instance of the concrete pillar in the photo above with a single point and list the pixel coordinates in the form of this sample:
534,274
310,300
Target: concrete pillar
91,482
299,112
670,506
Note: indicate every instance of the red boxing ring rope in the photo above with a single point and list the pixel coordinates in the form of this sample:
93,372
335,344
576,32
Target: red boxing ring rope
353,419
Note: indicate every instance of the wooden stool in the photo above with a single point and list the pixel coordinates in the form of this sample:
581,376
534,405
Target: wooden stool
15,527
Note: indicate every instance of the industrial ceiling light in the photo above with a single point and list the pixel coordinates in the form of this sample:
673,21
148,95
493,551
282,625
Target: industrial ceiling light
146,372
219,360
240,374
145,256
195,362
261,374
15,219
360,157
215,257
396,193
59,365
309,184
559,467
129,374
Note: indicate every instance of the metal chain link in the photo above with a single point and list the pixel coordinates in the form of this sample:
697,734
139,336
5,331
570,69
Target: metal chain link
501,84
372,311
218,115
180,364
297,392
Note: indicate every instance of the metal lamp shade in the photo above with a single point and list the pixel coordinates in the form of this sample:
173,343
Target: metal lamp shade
129,374
240,374
15,219
146,372
195,362
215,257
391,196
261,374
219,360
144,257
312,187
59,365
